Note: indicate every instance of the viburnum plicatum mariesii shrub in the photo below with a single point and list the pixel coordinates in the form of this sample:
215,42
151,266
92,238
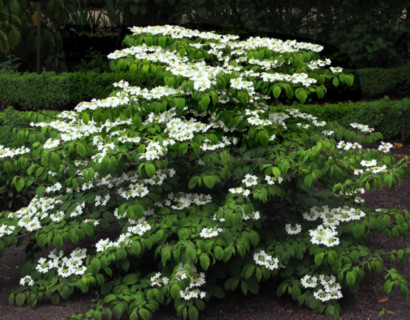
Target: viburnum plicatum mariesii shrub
180,193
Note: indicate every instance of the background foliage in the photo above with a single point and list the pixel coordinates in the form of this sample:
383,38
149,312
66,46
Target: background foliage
356,34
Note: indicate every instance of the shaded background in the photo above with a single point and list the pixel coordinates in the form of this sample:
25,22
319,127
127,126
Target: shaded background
78,34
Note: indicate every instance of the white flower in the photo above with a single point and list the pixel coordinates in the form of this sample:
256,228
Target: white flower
103,244
309,281
385,147
51,143
297,228
253,215
210,232
322,295
157,280
336,69
368,163
263,259
250,180
26,281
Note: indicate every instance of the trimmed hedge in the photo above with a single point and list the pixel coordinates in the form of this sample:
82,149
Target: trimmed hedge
48,90
378,82
385,115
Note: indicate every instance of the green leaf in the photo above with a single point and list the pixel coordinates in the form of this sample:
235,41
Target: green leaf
319,258
20,299
130,279
349,80
107,314
320,93
249,272
219,253
204,103
58,241
20,185
40,191
335,81
276,91
192,313
175,290
95,265
288,91
85,118
209,181
301,95
388,181
204,261
308,180
54,160
350,278
81,150
149,169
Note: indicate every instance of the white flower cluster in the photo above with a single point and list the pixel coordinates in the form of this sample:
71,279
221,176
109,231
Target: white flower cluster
371,166
336,69
66,266
37,210
27,281
153,151
348,145
302,78
261,258
148,94
6,230
51,143
316,64
181,130
271,180
330,289
140,228
181,200
55,187
385,147
293,229
250,180
102,201
326,233
10,153
196,280
255,215
240,190
210,232
134,190
208,145
158,281
361,127
178,32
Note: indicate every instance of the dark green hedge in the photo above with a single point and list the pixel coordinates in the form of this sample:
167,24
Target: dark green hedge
385,115
378,82
64,91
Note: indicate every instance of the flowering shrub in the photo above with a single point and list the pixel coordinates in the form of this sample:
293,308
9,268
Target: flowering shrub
180,193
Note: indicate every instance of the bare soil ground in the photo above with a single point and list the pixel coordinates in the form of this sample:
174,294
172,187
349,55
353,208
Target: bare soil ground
364,305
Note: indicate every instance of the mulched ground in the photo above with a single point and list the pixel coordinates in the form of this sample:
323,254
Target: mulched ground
364,305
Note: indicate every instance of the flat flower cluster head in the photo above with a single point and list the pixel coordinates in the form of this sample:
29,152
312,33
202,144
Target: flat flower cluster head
261,258
326,233
328,288
65,266
10,153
